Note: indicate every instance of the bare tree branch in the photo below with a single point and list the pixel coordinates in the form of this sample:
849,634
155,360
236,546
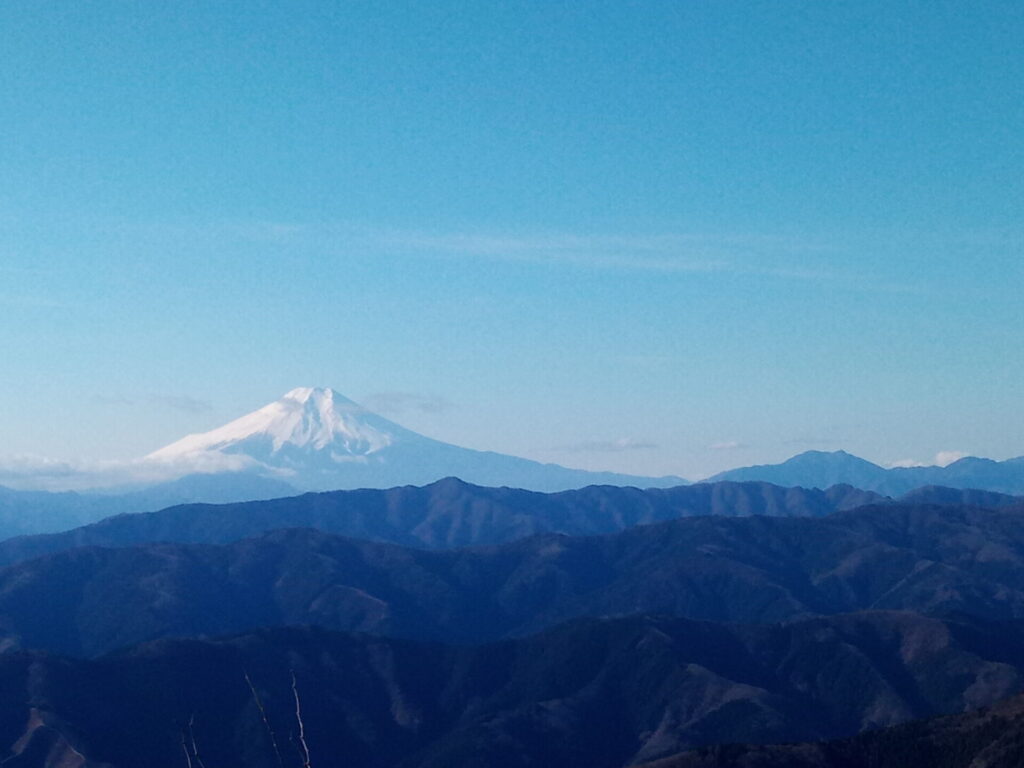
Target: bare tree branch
184,748
192,738
302,726
266,722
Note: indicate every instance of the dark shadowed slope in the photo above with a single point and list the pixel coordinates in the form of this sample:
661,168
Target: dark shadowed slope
819,469
938,560
989,738
937,494
595,693
448,513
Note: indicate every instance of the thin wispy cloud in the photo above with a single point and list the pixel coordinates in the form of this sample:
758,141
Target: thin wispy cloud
728,445
27,466
646,360
825,439
396,403
30,472
945,458
608,446
112,400
804,259
658,253
182,403
775,257
14,272
267,231
941,459
29,301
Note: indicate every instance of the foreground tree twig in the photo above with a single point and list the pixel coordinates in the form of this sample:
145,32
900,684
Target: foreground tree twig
184,748
266,722
192,738
302,726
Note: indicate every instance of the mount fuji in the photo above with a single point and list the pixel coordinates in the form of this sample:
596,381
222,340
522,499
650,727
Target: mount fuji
315,439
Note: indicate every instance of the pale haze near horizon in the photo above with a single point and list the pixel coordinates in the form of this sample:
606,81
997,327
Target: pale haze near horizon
654,238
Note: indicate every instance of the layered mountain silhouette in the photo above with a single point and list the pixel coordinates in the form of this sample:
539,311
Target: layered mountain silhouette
971,497
452,513
819,469
448,513
945,561
461,625
782,618
602,693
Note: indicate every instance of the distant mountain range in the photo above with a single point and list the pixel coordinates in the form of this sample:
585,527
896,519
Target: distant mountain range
452,513
819,469
35,512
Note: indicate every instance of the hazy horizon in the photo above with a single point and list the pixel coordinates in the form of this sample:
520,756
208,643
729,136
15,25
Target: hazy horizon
45,473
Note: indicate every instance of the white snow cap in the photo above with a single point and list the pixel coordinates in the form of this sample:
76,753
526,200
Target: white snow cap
313,419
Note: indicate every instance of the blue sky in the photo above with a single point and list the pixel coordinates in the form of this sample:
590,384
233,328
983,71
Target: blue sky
651,237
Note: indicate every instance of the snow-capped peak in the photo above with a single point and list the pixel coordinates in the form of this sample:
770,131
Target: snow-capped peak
306,418
318,440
